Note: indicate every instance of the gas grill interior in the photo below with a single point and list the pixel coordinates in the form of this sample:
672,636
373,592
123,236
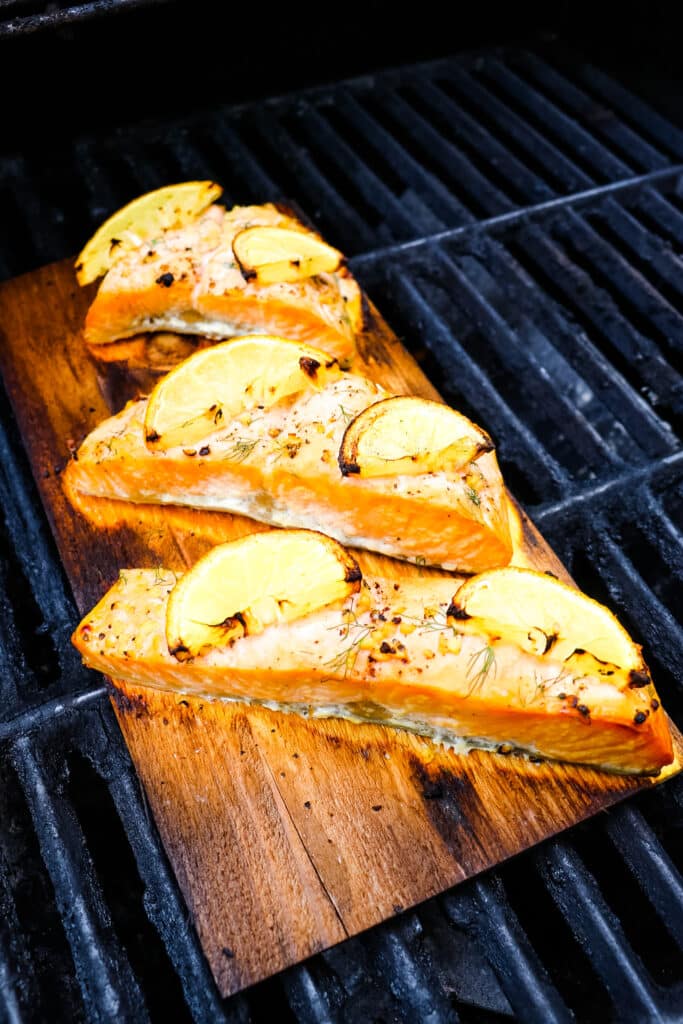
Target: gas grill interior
517,216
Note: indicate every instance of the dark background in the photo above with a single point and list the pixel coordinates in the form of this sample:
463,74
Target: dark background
169,58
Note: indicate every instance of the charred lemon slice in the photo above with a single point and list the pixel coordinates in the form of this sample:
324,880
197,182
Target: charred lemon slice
216,383
242,587
269,255
168,207
549,616
410,435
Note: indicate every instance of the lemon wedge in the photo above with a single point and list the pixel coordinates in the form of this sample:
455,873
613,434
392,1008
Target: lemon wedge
410,435
269,255
240,588
168,207
550,617
217,383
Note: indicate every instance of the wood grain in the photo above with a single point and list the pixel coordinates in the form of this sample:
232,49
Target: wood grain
286,835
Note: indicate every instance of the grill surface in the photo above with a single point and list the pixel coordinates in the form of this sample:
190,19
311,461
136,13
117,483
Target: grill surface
520,224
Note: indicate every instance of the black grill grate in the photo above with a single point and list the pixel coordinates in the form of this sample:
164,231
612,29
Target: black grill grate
519,221
24,17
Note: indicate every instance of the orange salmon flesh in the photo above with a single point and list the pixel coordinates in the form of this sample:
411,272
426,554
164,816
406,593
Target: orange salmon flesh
280,466
187,280
388,655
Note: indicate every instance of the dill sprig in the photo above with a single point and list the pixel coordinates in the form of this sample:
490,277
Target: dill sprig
436,622
479,665
541,685
241,449
344,661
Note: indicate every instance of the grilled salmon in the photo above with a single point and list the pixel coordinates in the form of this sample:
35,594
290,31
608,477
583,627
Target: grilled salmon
280,465
390,655
187,280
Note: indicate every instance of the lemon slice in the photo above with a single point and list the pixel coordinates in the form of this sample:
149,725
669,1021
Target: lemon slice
555,618
410,435
217,383
242,587
167,207
269,255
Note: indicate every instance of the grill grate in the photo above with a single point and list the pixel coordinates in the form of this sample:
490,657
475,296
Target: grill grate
519,222
24,17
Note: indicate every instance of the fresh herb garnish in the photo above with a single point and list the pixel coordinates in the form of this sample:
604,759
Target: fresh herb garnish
479,665
344,661
241,449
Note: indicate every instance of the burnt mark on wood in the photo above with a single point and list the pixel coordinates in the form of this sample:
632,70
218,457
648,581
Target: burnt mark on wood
129,704
374,339
453,806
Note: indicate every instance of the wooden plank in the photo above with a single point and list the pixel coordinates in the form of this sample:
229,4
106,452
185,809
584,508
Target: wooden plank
286,835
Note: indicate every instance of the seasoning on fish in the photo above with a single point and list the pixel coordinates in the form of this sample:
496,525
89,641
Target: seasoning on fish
256,426
393,653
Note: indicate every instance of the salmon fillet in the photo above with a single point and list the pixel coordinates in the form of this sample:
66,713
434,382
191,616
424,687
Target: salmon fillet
187,280
387,655
280,466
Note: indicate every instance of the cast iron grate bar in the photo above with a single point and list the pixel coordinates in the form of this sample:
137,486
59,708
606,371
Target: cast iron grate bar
389,211
189,158
522,364
411,978
567,354
560,171
659,214
398,157
302,171
656,621
109,985
450,163
599,931
35,717
462,377
155,921
434,196
35,959
651,865
241,161
626,151
621,228
630,284
531,298
482,909
629,108
59,15
636,354
548,116
43,612
507,173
